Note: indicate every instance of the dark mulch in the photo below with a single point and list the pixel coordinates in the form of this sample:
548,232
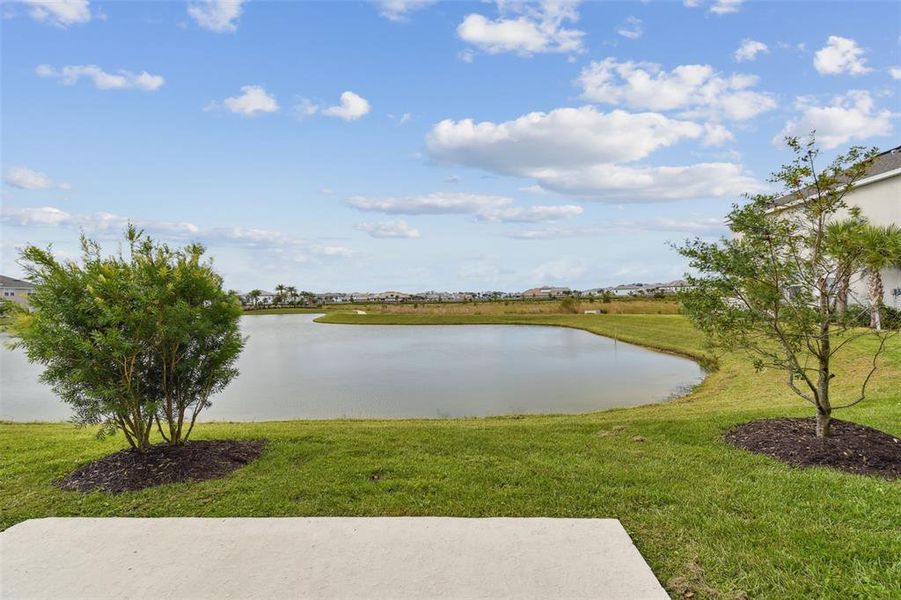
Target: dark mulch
851,447
129,470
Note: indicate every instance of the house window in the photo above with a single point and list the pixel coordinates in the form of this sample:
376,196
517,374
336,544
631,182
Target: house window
8,293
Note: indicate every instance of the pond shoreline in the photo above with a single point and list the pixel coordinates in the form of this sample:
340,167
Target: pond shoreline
294,373
706,361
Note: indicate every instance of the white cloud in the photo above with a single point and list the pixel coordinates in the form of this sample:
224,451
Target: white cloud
725,7
399,10
220,16
388,229
338,251
840,55
618,183
700,226
697,88
716,134
719,7
749,50
561,137
575,151
437,203
29,179
895,72
529,214
120,80
60,13
305,108
352,107
254,100
486,208
852,116
632,28
95,222
525,28
404,118
466,55
106,224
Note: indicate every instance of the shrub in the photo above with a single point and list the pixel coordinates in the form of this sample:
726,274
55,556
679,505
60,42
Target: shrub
131,340
570,305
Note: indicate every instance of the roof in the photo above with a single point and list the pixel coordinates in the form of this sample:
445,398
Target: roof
545,289
884,162
11,282
673,283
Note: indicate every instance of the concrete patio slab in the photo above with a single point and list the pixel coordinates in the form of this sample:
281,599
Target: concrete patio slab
398,558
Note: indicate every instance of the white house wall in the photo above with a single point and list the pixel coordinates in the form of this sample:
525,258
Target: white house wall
880,203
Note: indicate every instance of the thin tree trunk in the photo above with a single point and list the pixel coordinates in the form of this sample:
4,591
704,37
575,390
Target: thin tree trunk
824,406
841,300
876,291
824,424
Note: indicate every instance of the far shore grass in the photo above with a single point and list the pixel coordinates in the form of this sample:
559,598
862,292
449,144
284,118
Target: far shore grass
711,520
615,306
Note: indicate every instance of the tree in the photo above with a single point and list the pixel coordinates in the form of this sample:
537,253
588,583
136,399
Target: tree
280,294
880,248
254,296
843,242
131,340
771,290
291,292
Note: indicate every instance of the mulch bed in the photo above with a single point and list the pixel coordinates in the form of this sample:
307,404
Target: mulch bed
129,470
850,447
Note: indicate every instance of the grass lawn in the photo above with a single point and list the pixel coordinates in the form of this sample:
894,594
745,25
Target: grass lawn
709,518
616,306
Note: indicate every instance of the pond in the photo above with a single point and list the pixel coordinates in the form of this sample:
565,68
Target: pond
293,368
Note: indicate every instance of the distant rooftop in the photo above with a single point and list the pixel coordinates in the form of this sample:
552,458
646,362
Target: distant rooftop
884,162
12,282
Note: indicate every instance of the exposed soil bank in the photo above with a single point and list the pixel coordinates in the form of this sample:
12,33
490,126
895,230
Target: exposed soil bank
129,470
851,447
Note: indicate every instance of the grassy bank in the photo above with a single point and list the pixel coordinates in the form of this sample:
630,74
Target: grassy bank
616,306
709,518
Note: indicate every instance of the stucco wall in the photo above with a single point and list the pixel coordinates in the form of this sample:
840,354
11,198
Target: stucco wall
880,202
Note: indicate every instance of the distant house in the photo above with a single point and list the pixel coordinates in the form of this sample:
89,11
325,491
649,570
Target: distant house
332,298
670,287
391,297
264,299
629,289
594,292
15,290
878,196
546,292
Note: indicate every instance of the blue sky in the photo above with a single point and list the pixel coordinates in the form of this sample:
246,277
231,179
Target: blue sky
418,145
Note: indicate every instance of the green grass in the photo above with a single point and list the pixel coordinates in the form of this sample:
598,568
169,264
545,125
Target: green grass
624,305
708,518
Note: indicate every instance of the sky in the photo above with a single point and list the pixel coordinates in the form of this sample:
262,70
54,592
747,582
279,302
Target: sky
414,145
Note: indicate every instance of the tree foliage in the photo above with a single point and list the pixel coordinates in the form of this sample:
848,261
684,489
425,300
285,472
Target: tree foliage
132,340
879,248
777,289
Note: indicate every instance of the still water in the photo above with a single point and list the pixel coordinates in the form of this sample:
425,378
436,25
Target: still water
293,368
